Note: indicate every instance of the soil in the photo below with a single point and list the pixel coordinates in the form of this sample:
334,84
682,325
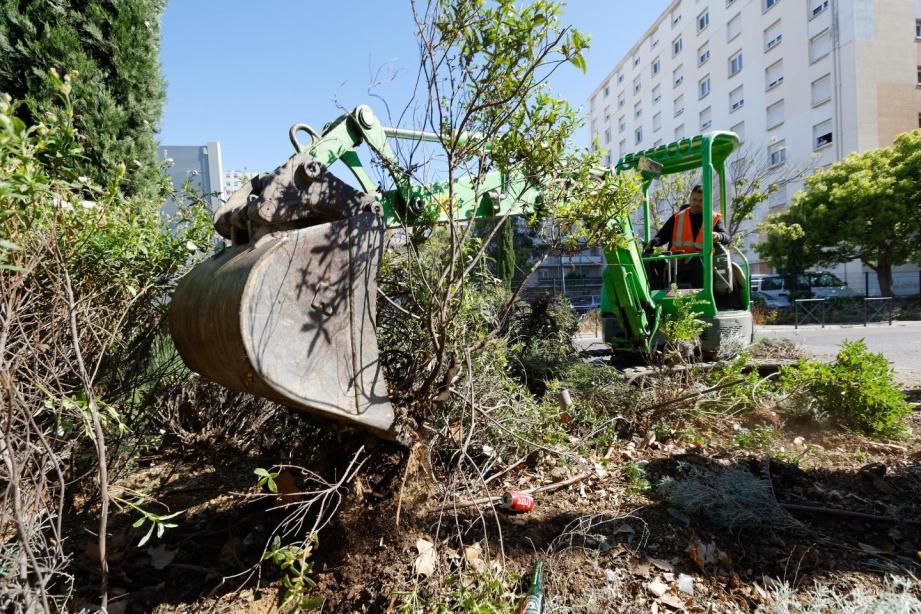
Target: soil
604,540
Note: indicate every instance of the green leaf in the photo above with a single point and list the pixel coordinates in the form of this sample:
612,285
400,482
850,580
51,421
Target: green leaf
147,537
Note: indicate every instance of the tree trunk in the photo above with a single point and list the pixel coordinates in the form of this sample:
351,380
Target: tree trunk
884,276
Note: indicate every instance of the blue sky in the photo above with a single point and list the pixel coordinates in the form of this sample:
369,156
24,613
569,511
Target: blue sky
242,72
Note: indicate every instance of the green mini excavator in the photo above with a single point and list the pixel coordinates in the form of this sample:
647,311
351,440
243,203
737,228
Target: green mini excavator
286,310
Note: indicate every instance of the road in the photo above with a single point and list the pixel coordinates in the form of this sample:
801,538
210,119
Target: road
900,343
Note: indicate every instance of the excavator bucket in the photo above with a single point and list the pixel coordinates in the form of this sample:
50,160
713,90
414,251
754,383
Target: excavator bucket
287,312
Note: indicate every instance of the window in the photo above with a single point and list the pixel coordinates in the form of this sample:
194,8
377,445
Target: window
638,136
772,36
775,114
703,20
607,113
607,160
620,78
657,143
918,28
679,105
703,87
636,60
607,90
735,63
734,27
919,75
730,3
705,119
773,75
820,45
607,135
636,85
622,124
656,94
637,111
736,101
919,120
622,146
656,67
777,153
676,18
817,7
821,90
677,46
768,4
703,54
656,122
679,132
739,129
653,43
821,134
677,76
620,100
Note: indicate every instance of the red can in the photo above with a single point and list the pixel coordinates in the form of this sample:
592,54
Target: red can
517,502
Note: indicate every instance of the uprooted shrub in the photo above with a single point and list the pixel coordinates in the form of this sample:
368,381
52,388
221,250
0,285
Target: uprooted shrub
856,391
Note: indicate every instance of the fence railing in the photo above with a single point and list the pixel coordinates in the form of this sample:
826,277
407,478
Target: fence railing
823,311
809,311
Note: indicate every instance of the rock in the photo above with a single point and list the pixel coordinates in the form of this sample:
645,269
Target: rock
686,584
799,441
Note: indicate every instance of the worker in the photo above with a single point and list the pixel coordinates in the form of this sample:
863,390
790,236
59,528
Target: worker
684,234
685,237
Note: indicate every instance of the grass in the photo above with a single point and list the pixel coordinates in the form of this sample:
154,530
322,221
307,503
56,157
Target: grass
757,438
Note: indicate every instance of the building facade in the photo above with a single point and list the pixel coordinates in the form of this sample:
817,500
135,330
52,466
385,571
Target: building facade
802,82
234,180
199,164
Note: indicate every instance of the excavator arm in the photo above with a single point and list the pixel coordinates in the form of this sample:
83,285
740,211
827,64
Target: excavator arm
286,310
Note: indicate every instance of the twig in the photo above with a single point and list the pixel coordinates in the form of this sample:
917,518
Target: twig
100,442
795,507
527,491
693,395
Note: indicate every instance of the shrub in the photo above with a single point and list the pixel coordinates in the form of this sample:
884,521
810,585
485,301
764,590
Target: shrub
857,390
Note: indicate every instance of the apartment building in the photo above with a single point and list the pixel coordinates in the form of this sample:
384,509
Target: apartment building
804,81
234,180
198,164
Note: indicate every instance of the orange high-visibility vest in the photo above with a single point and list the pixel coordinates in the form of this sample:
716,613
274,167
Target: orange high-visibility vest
682,239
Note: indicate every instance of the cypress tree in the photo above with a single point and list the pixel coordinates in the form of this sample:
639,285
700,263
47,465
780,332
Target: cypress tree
119,93
505,258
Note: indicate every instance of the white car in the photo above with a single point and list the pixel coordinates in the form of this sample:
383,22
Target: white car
821,284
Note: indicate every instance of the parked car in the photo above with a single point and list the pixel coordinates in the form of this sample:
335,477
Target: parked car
827,285
771,301
820,284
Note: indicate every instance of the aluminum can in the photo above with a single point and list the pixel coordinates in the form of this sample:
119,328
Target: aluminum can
517,502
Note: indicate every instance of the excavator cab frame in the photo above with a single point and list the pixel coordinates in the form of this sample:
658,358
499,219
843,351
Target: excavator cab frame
631,310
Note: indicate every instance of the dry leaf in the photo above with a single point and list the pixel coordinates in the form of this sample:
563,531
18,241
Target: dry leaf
474,557
662,565
639,568
672,601
657,588
425,561
287,489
